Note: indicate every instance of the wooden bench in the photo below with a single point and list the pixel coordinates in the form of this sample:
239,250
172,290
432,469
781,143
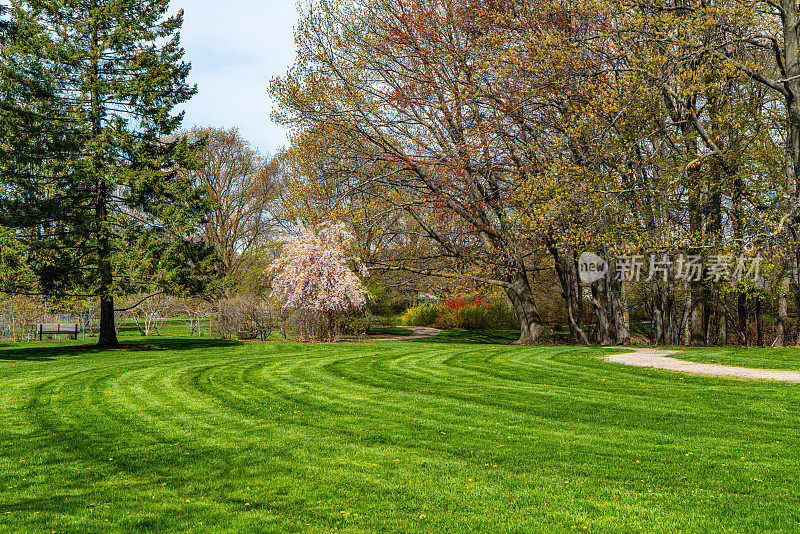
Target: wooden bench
57,328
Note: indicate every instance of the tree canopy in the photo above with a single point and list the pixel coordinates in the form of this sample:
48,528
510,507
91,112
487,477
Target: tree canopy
89,163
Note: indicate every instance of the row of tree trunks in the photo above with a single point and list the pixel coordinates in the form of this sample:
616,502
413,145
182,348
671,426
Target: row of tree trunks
619,309
670,325
666,326
108,332
704,320
610,308
609,304
567,276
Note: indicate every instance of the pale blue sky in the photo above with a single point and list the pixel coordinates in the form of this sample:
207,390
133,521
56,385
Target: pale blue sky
236,47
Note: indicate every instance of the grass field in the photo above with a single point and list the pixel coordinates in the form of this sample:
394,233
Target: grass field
429,436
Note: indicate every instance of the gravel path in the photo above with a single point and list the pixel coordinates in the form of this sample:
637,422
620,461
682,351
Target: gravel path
419,333
658,359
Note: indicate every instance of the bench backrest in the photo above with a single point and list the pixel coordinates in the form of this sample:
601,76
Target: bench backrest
57,328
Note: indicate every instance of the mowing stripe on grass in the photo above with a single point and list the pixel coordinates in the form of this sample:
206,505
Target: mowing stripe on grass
211,436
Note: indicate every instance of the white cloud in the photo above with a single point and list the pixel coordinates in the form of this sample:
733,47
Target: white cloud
235,48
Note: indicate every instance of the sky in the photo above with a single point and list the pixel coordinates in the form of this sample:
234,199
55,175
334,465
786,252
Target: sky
236,47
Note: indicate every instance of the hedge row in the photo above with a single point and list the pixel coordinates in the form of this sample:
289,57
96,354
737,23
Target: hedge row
470,317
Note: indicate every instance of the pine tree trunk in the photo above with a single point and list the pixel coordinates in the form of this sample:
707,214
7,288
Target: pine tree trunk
108,331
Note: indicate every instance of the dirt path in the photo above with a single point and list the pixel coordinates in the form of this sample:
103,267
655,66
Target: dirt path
419,333
659,359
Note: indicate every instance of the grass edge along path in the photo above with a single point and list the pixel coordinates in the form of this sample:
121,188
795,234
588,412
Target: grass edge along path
660,359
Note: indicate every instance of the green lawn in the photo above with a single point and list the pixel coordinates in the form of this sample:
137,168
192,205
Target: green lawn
432,436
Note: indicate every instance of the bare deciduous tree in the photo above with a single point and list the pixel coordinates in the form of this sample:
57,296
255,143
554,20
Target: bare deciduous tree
241,185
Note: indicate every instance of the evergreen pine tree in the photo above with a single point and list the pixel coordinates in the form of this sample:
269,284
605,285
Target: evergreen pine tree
5,25
89,158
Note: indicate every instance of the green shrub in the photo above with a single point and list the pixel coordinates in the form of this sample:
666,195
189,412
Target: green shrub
500,317
474,318
494,316
447,319
421,315
362,324
399,305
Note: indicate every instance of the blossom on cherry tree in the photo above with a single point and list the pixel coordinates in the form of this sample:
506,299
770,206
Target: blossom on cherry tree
312,273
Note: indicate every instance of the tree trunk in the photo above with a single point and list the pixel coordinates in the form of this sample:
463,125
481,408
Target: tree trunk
330,326
576,279
657,321
521,297
670,321
759,329
600,305
696,213
565,276
791,65
737,216
108,331
619,308
781,332
687,316
698,316
712,316
741,312
626,314
796,280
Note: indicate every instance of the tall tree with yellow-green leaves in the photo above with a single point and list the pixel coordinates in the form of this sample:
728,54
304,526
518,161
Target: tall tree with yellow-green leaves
773,33
404,99
89,165
707,140
511,135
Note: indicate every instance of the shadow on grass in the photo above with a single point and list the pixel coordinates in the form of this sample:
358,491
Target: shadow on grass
471,337
44,352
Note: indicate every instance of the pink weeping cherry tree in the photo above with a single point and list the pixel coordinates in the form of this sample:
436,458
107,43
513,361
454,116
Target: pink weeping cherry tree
313,275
